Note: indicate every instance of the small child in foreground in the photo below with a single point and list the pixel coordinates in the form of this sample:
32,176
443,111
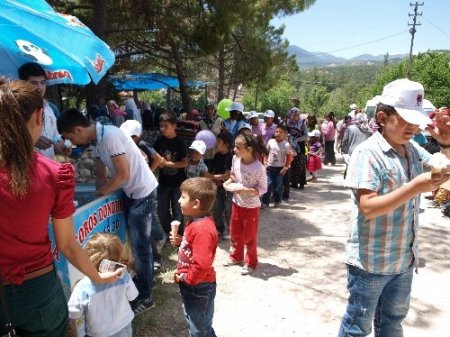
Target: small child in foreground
105,307
195,272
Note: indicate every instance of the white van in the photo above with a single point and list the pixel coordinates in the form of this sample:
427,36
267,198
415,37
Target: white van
371,106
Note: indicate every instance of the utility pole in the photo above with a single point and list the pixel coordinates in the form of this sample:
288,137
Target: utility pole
412,31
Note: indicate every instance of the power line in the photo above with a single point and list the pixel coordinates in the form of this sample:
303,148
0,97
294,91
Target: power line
439,29
368,42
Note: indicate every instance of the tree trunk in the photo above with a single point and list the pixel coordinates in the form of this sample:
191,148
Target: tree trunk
221,82
182,79
168,98
99,27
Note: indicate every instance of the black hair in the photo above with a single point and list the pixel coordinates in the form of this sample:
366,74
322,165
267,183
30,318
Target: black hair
387,109
226,137
256,143
30,69
70,119
169,117
282,127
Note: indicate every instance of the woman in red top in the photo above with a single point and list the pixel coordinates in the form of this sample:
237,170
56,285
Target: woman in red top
32,189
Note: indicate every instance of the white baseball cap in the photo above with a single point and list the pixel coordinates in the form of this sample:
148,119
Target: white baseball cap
245,126
131,128
314,133
406,97
353,106
236,106
252,114
269,114
199,146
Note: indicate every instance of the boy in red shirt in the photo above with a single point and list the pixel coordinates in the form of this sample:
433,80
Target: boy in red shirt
195,272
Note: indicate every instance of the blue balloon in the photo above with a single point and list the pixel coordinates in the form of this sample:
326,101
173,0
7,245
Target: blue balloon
208,137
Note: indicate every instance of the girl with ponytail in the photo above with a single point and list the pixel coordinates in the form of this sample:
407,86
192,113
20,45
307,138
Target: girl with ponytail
248,181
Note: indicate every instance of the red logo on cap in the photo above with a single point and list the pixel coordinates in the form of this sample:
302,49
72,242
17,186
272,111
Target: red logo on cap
419,99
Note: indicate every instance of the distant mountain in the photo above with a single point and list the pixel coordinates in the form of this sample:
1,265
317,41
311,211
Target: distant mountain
308,59
313,59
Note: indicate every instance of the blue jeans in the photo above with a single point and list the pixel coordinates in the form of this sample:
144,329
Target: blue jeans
222,209
274,183
139,213
381,299
157,233
198,303
168,201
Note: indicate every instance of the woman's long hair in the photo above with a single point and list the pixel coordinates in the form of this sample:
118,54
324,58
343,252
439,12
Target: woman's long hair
18,101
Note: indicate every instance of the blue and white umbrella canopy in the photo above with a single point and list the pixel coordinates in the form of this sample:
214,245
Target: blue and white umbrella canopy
70,53
149,81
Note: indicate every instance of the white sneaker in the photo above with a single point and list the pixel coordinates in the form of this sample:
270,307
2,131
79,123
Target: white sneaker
247,270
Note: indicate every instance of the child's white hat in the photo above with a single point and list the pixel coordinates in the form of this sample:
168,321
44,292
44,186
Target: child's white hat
199,146
269,114
314,133
245,126
236,106
131,127
252,114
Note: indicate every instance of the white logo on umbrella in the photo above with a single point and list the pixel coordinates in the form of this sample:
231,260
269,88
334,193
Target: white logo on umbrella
33,52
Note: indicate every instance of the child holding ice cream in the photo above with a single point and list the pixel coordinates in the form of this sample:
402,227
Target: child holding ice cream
195,273
385,174
105,307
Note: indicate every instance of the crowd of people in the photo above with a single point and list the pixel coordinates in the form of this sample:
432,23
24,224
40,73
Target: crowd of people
212,191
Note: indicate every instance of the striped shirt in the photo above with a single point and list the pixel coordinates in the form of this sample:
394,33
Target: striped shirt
386,244
253,176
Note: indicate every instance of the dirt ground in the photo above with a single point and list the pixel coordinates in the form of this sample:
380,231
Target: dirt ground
299,287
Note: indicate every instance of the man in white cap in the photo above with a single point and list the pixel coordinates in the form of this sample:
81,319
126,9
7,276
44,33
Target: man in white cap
386,178
233,123
353,108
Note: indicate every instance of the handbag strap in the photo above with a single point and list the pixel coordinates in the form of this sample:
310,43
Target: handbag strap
9,326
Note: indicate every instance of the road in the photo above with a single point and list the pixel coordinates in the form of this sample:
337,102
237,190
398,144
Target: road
299,287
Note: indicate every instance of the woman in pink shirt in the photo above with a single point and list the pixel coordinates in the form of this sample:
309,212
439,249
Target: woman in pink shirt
328,130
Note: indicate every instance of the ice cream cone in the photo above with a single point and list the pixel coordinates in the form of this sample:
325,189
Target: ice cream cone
174,226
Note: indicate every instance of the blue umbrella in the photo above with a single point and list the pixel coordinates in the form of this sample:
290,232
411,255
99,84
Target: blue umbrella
70,53
149,81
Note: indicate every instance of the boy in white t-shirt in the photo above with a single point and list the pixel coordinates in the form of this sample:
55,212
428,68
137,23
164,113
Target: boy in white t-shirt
277,164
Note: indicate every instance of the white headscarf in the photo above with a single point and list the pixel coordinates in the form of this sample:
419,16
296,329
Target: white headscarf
361,120
130,104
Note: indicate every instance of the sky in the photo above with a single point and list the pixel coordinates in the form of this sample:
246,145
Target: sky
348,28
